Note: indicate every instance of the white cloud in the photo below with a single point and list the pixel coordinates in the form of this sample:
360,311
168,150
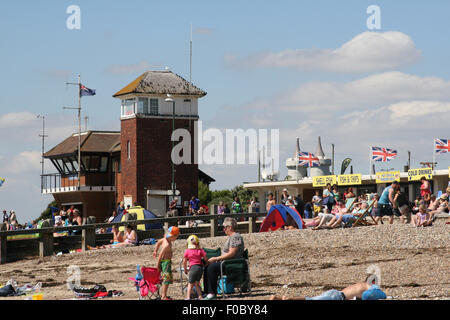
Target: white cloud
124,69
16,119
368,92
367,52
26,161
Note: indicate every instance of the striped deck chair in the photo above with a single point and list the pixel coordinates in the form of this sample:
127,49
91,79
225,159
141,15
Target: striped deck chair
361,220
349,203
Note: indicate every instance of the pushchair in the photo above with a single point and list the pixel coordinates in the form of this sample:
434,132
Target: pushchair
147,282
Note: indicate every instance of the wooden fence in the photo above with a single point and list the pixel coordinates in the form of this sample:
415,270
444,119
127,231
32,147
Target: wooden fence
46,244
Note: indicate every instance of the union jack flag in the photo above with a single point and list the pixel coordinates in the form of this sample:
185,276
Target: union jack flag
383,154
84,91
306,159
441,146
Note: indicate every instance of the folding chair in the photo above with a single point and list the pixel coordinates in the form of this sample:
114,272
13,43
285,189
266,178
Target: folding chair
237,272
148,287
349,203
362,219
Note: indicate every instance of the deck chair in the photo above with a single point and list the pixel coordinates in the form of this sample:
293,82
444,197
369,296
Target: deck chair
361,220
349,203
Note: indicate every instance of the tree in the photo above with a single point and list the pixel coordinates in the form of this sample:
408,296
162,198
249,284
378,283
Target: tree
204,194
47,213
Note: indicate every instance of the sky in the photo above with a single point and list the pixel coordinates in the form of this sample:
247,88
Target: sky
307,68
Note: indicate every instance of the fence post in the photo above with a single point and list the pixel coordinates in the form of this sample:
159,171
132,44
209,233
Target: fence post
87,238
3,249
252,224
214,228
46,244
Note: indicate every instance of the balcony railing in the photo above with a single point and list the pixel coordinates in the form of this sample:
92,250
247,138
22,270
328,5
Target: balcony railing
56,182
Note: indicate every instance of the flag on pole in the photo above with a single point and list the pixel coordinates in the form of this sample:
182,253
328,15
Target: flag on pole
441,146
1,181
307,159
84,91
383,154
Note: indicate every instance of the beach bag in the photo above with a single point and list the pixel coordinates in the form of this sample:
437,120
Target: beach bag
229,287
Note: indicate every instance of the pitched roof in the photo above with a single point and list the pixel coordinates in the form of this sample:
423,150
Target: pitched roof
91,141
161,82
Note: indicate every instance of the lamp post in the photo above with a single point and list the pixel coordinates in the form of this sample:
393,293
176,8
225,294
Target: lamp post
170,99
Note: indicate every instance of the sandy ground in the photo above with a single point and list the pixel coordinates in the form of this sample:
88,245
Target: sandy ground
414,263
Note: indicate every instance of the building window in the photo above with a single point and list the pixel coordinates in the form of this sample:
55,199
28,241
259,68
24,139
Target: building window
143,106
154,109
128,107
128,150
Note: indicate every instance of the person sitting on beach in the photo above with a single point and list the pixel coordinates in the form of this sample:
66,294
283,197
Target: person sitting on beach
345,218
339,210
130,238
361,290
118,238
194,255
375,209
323,218
77,221
442,206
233,249
349,193
165,259
422,218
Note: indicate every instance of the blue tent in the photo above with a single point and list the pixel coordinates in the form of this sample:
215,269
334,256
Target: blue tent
141,215
277,218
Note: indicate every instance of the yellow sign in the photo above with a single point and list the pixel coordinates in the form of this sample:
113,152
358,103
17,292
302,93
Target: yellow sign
416,174
322,181
349,179
449,172
388,176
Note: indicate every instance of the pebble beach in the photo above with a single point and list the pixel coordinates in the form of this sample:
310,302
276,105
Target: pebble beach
412,263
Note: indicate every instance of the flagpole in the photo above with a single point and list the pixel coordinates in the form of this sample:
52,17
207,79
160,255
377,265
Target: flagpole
434,155
79,131
370,160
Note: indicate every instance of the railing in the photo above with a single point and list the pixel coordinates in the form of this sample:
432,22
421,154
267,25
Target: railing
89,237
58,181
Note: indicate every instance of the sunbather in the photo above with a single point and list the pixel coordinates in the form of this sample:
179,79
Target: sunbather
345,218
361,290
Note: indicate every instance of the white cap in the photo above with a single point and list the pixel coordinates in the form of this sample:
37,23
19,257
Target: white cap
285,189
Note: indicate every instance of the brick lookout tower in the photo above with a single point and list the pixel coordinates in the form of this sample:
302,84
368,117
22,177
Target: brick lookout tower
145,139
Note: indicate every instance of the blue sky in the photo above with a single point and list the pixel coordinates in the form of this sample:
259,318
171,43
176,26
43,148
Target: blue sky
237,50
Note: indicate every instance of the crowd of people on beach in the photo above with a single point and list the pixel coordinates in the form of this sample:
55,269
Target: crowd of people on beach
11,223
332,209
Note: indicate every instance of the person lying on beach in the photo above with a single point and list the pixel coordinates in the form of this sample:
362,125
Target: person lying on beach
361,290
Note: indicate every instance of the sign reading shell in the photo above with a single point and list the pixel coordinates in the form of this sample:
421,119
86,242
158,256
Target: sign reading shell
416,174
322,181
349,179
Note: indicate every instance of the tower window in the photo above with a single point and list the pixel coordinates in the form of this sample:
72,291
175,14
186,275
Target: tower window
154,106
128,150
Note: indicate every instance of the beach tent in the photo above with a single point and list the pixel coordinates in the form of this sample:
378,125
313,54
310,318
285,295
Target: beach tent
277,217
141,214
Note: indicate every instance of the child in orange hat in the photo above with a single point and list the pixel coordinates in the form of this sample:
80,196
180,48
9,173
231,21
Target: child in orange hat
165,259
